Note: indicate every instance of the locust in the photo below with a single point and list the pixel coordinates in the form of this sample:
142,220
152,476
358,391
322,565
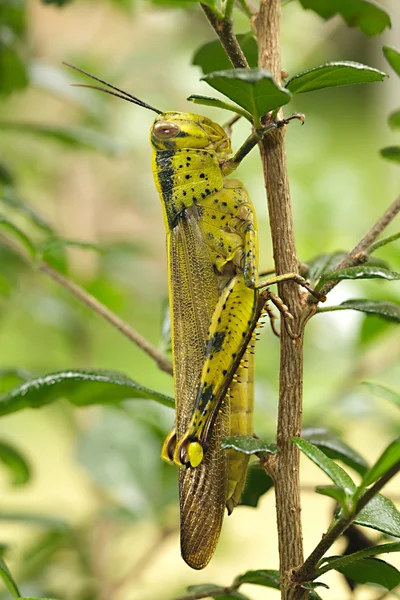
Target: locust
216,299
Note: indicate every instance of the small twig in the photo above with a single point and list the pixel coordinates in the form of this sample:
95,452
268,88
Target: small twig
224,30
357,255
95,305
386,240
248,10
307,571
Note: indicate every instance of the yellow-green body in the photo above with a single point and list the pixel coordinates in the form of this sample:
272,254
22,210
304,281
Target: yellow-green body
212,261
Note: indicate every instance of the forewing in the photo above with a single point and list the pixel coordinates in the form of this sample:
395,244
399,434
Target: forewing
194,295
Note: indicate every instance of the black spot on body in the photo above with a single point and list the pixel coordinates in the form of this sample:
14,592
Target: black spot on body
205,398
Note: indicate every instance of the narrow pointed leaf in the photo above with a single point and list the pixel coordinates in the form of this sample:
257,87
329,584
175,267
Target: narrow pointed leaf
371,570
80,387
43,521
394,120
16,464
335,448
380,514
361,272
265,577
212,57
384,241
391,153
333,74
18,235
387,310
10,198
388,459
247,444
207,101
336,562
216,591
8,580
336,473
383,392
323,263
335,492
392,55
253,89
367,15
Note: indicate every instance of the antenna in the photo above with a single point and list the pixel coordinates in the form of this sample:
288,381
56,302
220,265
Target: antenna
121,93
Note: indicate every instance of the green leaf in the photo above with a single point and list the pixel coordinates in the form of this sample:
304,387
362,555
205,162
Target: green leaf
387,310
18,234
383,392
8,580
9,197
10,378
380,514
388,459
28,597
371,570
253,89
80,137
384,241
16,464
336,473
257,484
361,272
333,74
323,263
392,55
265,577
207,101
6,175
57,2
394,120
337,493
216,591
367,15
391,153
247,444
109,451
212,57
53,523
80,387
13,74
337,562
53,251
335,448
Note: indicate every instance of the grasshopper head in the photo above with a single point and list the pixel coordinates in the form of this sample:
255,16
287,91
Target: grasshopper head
172,130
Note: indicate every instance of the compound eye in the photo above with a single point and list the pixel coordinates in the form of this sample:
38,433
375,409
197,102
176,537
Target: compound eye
165,130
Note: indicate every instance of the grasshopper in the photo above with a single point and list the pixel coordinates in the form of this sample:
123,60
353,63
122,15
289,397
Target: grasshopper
215,305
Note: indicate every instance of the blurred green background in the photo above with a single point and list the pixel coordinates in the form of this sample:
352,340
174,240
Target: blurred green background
98,470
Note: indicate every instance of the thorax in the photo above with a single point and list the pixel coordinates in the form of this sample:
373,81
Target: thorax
183,178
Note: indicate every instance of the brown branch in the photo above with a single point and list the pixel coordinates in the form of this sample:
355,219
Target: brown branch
307,571
358,254
94,304
224,30
286,469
